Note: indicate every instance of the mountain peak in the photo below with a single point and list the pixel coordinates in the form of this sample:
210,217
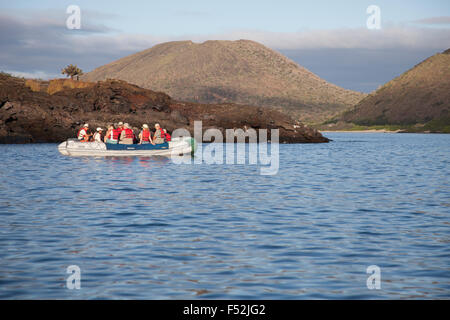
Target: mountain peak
418,96
223,71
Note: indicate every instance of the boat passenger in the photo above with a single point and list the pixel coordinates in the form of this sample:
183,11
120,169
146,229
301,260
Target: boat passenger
158,138
120,128
86,138
127,135
108,133
145,136
98,135
83,132
112,136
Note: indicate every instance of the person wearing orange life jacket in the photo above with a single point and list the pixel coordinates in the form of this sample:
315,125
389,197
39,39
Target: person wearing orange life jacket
145,136
112,136
127,135
83,132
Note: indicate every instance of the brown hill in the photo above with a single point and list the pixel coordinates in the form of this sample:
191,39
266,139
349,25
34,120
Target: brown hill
243,71
419,96
29,113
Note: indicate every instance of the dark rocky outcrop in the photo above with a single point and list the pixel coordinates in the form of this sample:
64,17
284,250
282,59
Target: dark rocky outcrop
29,113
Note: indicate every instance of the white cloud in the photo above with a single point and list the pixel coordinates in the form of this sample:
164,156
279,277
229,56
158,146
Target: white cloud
390,37
33,75
44,44
434,20
48,34
387,38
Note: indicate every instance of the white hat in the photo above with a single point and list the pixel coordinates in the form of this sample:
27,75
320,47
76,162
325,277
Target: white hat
126,125
120,123
86,125
145,126
99,129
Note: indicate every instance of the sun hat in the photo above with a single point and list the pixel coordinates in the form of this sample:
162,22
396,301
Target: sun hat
145,126
120,123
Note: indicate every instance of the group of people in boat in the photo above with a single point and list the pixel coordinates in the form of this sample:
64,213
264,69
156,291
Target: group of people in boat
122,133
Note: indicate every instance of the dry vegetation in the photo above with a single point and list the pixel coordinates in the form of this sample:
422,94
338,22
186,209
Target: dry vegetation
419,96
55,85
241,71
61,84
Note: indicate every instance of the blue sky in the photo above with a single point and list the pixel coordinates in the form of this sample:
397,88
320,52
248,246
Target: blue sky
175,17
35,41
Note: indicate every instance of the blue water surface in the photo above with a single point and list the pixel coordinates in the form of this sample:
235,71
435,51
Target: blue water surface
146,228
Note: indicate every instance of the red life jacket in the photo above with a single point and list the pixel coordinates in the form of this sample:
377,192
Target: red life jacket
114,135
129,134
168,137
165,135
146,135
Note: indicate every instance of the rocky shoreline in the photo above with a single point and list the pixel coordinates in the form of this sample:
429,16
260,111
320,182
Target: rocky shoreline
33,111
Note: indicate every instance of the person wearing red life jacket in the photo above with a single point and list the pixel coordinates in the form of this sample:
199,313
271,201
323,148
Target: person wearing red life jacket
145,136
112,135
159,136
127,135
120,127
83,133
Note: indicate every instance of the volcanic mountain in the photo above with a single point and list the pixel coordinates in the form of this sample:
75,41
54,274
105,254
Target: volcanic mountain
243,72
420,96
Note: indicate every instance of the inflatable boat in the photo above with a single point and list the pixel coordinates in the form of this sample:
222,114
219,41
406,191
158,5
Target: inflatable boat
177,147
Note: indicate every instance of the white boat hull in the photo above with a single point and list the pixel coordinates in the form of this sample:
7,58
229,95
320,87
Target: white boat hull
176,147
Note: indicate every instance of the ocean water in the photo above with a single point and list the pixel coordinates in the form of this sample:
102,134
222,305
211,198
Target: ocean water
145,228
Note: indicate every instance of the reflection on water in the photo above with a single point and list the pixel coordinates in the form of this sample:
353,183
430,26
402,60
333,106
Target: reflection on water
146,162
143,227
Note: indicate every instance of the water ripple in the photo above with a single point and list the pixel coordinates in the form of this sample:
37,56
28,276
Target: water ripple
147,228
